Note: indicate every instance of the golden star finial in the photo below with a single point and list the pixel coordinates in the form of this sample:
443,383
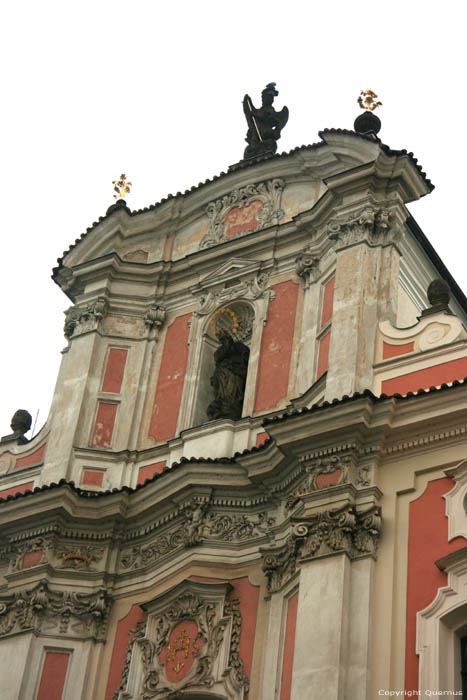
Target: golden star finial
368,100
121,187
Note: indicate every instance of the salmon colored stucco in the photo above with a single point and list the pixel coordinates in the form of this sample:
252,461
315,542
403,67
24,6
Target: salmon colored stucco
289,647
170,382
20,488
123,635
92,478
114,370
276,347
32,558
261,439
425,378
53,676
390,350
328,300
104,425
148,471
37,457
242,218
428,541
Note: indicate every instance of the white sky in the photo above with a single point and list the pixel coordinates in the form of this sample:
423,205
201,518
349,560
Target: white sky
94,89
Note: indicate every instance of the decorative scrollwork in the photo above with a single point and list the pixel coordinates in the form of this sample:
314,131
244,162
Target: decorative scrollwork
266,212
39,609
370,225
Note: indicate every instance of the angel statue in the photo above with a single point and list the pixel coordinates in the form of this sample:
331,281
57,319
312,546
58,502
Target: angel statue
264,124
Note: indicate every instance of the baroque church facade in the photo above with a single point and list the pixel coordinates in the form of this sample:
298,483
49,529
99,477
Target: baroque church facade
252,482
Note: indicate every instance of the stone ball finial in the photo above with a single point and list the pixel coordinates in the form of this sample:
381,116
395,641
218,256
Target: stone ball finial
21,422
367,123
438,293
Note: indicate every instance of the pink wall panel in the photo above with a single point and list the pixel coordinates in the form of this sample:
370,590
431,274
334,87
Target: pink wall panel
114,370
170,382
276,347
104,426
53,676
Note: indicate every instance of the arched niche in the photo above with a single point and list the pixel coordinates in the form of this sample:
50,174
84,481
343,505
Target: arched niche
235,320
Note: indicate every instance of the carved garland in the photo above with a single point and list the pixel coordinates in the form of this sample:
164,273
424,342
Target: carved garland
268,193
199,526
43,610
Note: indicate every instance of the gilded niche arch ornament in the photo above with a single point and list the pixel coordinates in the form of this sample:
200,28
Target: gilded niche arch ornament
244,210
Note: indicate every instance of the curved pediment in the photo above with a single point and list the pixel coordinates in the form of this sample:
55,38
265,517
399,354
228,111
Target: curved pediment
246,199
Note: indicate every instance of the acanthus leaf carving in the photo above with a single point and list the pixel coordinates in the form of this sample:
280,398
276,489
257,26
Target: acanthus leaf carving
80,320
370,224
307,265
154,318
250,288
198,525
40,609
268,194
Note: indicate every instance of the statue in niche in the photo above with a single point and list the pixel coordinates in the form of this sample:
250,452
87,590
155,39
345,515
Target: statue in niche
264,124
229,378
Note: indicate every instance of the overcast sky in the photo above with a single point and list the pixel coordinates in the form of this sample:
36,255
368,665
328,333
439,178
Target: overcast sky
94,89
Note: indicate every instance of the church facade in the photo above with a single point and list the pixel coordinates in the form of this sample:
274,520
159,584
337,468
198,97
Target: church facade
252,483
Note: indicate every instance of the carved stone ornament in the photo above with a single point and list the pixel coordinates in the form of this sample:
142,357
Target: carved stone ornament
323,472
198,525
245,210
78,320
154,317
31,552
307,266
82,615
338,530
280,563
190,640
250,288
370,225
328,532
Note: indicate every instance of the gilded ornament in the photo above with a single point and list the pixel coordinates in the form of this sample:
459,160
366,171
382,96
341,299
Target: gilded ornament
121,187
368,100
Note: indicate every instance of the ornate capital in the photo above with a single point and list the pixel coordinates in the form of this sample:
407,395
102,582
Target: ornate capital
82,615
244,210
371,225
154,318
79,320
340,530
307,266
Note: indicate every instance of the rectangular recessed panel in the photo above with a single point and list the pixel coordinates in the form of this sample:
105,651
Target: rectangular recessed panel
171,378
289,647
53,676
328,300
114,370
104,425
92,478
276,347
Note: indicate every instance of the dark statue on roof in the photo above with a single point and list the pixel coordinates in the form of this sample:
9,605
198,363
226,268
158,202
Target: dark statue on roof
264,124
229,378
